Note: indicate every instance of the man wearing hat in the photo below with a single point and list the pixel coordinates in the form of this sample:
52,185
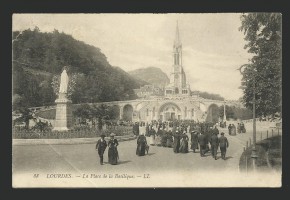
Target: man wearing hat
101,147
224,144
215,130
202,144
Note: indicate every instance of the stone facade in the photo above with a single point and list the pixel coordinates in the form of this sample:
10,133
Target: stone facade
63,116
148,91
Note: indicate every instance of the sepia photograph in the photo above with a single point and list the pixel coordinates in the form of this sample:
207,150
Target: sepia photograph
117,100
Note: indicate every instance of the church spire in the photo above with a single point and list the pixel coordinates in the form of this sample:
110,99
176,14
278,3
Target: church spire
177,42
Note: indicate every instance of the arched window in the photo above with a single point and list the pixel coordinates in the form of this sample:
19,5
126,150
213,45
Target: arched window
185,111
176,91
147,112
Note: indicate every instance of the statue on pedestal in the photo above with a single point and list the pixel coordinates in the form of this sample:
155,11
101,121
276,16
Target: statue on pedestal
63,115
63,82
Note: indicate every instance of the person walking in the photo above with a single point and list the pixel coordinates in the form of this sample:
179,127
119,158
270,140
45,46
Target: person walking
208,134
113,151
239,128
141,145
184,143
243,129
230,129
163,138
176,142
202,144
194,141
136,129
215,130
101,147
169,139
214,143
224,144
152,134
233,129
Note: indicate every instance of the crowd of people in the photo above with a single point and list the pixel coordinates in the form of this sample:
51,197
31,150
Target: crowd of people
233,129
180,136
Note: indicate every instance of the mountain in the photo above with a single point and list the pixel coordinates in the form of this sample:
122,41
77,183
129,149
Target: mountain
134,79
38,57
152,75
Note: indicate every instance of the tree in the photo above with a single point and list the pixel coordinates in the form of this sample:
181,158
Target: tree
101,113
235,112
263,73
39,57
26,115
229,112
84,112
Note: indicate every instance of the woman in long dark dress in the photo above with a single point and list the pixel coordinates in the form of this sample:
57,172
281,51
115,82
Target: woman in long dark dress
169,139
184,143
233,129
176,142
141,145
163,139
113,151
230,129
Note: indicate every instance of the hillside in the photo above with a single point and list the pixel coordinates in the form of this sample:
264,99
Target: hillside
39,56
135,79
152,75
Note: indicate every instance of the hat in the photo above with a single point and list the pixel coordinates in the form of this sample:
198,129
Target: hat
112,134
103,135
222,133
176,131
193,131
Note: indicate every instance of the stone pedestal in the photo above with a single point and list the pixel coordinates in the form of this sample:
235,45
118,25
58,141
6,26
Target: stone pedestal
63,116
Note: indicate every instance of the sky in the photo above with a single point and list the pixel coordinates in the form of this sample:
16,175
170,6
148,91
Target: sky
213,47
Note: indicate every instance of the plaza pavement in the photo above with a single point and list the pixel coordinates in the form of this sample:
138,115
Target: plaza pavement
80,159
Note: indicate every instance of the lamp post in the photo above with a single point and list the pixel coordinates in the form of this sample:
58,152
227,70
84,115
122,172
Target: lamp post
254,155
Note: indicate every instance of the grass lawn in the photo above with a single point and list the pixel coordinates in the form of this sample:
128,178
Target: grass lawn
269,153
47,114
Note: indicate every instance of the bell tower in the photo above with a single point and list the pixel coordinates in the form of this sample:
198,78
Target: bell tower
177,85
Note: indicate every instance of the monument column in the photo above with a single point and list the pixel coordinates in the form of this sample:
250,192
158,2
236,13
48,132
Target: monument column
63,115
225,117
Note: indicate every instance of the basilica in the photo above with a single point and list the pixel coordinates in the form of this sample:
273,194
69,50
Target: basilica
175,101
